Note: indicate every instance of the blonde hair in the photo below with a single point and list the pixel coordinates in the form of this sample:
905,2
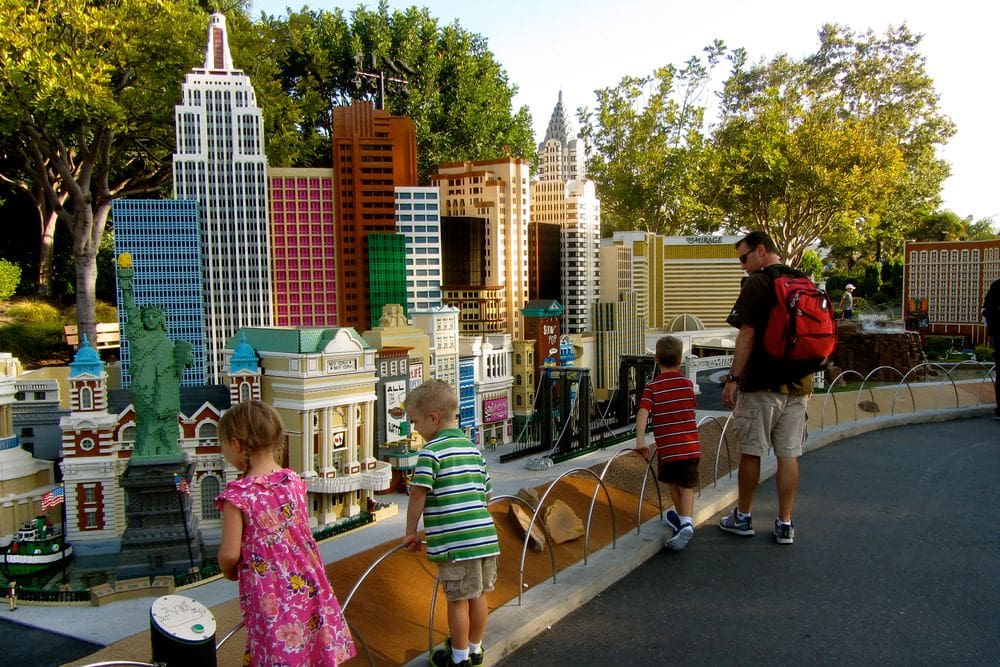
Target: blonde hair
256,425
668,351
433,396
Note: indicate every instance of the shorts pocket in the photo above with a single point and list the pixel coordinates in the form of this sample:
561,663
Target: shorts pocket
452,576
741,427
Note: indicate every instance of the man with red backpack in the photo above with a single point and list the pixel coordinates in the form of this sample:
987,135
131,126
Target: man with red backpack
770,381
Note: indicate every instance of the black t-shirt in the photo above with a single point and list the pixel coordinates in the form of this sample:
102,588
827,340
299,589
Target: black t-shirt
753,307
991,307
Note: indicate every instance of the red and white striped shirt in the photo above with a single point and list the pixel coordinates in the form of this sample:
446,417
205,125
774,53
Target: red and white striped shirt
669,399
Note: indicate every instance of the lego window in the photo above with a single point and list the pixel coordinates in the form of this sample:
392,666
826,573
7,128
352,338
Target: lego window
209,490
208,430
87,444
86,399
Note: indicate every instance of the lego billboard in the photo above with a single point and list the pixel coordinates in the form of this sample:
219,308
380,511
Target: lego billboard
416,374
494,410
395,415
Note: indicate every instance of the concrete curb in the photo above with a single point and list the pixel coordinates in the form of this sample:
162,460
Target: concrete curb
512,626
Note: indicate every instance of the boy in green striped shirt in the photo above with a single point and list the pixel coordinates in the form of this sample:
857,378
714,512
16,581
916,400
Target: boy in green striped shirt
449,488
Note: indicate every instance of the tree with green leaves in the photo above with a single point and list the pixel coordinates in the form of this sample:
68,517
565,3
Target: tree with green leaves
87,95
839,146
947,226
458,96
646,143
10,278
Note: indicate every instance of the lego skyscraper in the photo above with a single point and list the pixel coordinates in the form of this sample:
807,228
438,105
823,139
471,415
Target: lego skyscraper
220,162
492,194
162,237
563,196
373,153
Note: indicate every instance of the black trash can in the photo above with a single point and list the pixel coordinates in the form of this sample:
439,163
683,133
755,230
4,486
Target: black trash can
182,632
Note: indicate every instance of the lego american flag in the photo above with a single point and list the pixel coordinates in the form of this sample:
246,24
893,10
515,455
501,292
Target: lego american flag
52,498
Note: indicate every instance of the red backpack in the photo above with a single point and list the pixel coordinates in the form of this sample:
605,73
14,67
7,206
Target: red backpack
801,332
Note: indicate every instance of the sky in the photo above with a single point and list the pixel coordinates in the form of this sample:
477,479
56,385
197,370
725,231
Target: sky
578,46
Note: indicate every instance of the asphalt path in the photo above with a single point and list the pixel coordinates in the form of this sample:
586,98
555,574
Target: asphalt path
896,561
32,647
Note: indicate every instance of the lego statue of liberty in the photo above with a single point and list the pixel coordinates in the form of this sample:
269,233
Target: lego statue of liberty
157,364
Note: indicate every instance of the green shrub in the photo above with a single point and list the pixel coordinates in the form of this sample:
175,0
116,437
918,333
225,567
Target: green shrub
983,352
34,342
33,311
10,276
103,311
936,347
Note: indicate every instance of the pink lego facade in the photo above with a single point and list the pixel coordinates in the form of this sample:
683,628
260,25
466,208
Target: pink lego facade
303,242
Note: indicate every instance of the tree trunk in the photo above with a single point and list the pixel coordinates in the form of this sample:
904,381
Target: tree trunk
87,243
45,249
86,294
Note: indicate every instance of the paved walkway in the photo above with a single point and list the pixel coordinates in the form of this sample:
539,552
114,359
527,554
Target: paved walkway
896,561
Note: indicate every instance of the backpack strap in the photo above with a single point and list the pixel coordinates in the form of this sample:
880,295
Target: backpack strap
774,272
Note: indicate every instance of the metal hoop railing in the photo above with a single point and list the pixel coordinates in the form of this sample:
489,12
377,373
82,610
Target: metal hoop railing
229,635
836,408
642,488
871,394
718,451
527,534
982,385
586,538
937,396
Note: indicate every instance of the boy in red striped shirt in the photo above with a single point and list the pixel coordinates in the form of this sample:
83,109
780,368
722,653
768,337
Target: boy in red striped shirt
668,400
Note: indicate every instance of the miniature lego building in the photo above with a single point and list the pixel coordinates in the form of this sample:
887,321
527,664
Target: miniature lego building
98,440
392,430
491,357
672,276
701,279
953,277
441,326
394,330
523,390
373,153
494,193
91,463
542,326
322,382
303,247
618,330
38,407
646,279
418,218
220,162
162,237
544,259
562,196
386,272
467,418
23,478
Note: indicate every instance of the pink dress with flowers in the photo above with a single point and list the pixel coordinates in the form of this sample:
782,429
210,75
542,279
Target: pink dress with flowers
290,612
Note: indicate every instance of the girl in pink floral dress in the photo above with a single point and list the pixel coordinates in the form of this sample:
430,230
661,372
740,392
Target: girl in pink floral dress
290,612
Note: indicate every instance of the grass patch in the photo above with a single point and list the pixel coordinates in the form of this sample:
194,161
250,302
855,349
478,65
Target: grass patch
31,311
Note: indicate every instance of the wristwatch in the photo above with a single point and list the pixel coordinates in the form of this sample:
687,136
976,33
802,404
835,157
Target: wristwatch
729,377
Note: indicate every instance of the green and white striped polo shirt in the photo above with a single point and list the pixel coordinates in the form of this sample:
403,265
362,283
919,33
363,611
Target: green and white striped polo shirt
456,521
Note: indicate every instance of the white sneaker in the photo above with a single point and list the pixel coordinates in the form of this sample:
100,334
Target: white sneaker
679,541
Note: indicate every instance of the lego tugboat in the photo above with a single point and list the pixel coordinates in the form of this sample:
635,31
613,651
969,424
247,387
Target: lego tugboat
39,545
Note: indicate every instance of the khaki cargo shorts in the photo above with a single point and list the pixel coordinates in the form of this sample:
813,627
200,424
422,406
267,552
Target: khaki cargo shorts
468,579
763,420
